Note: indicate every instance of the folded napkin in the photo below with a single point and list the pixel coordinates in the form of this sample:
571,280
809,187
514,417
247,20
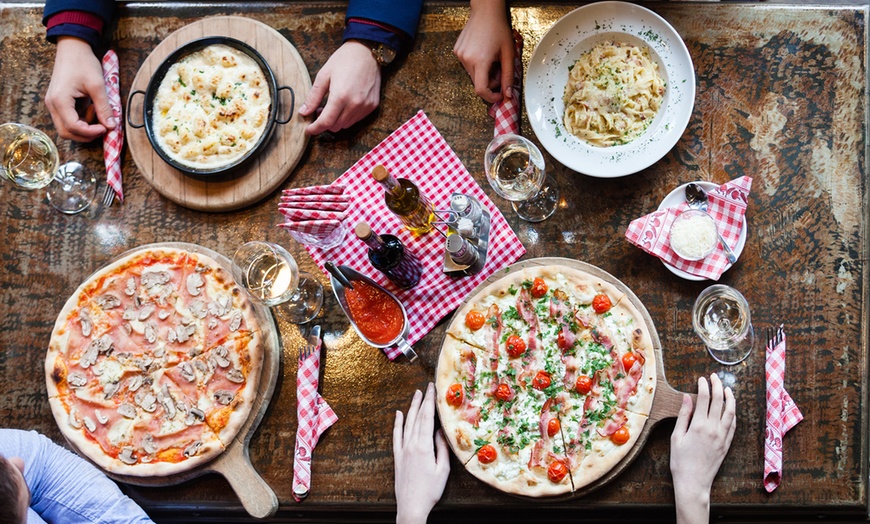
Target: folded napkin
508,112
417,151
726,204
782,413
113,141
314,416
313,213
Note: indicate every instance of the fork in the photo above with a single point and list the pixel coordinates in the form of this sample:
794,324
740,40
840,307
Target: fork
313,345
774,336
109,197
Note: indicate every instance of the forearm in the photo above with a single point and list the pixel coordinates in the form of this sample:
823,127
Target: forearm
692,509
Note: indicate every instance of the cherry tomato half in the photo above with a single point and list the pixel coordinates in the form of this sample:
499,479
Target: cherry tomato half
455,395
557,471
601,303
583,385
628,360
515,346
553,427
562,342
486,454
475,320
621,436
541,380
504,392
539,287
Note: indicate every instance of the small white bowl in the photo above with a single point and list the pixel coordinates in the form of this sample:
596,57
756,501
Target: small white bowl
692,218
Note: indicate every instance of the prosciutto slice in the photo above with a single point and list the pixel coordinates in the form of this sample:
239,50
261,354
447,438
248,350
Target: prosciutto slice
613,423
527,311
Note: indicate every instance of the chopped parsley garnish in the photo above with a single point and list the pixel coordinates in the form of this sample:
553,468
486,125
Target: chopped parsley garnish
512,290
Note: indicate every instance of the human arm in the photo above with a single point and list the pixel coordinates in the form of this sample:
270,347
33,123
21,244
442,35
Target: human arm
698,447
421,468
348,86
485,48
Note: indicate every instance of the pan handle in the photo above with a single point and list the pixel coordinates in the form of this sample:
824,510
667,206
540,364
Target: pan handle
292,104
130,105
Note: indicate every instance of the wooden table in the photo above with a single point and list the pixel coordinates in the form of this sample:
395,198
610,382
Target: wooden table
781,97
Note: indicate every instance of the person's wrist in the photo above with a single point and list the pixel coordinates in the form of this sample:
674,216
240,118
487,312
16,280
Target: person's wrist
411,516
70,42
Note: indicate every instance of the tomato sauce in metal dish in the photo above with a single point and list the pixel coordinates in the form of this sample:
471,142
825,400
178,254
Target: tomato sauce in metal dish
377,315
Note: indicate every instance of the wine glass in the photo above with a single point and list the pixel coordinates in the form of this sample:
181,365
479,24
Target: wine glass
721,318
270,275
30,160
515,170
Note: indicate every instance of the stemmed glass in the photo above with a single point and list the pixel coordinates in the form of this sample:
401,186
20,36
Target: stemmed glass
721,318
30,160
270,275
515,170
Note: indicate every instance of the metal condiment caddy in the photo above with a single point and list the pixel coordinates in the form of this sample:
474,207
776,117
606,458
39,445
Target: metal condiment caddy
468,220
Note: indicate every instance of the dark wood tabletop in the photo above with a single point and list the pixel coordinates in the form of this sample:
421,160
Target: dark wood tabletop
781,97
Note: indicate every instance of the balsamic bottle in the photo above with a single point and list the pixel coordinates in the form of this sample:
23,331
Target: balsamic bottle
405,200
389,256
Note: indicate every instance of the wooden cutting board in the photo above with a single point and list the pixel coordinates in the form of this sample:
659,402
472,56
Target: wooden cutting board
273,164
667,400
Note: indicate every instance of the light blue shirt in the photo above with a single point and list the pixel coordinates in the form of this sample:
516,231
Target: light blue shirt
64,488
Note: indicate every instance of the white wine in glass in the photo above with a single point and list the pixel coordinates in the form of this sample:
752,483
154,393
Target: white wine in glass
30,160
516,171
270,275
722,319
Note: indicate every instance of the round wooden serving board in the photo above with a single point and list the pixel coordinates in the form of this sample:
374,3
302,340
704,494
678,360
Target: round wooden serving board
234,463
667,400
273,164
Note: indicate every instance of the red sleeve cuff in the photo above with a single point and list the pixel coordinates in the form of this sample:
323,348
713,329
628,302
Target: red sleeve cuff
89,20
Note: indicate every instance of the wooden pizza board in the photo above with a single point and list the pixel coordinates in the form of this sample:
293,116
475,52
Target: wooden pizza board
274,162
666,402
234,463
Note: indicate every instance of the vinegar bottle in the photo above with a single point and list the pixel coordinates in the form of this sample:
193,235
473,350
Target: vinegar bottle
405,200
389,256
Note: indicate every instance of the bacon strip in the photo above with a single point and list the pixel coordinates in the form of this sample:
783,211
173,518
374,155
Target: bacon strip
613,423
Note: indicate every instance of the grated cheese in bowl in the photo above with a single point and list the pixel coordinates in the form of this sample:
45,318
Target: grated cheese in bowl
693,235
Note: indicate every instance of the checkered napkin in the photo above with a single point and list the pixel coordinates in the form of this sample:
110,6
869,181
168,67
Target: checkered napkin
417,151
507,113
113,141
726,204
782,413
315,210
314,416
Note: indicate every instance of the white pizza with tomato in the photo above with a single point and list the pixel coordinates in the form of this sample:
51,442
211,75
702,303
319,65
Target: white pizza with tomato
154,362
545,380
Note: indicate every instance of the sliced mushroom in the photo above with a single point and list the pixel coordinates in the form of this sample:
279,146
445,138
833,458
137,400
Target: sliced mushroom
86,323
89,424
110,389
159,352
221,356
191,450
128,328
187,372
220,307
129,313
146,312
167,402
89,357
195,352
235,320
149,403
224,397
101,418
193,416
202,367
74,418
148,444
184,332
76,380
235,375
151,332
107,301
127,410
154,278
126,456
213,323
171,336
195,284
163,314
131,287
134,383
197,308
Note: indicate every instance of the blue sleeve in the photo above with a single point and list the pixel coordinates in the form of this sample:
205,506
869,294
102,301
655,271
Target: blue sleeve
79,31
403,15
66,488
105,9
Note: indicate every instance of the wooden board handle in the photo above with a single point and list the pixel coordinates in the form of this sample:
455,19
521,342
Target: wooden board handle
667,402
257,497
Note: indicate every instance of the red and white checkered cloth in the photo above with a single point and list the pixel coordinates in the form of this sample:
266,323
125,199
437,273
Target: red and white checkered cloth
508,112
316,211
726,204
782,413
113,141
314,416
417,151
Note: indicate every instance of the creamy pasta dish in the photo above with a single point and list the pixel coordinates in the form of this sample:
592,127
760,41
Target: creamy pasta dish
613,93
211,107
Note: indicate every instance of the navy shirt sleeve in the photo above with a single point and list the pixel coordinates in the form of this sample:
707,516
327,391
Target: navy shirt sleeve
104,9
393,22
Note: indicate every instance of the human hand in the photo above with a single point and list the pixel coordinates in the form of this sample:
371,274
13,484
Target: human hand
78,74
698,448
421,469
352,80
485,48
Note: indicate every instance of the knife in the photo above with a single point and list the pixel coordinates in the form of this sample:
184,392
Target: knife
306,404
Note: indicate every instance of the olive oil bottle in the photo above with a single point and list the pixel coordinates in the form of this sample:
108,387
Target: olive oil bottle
404,198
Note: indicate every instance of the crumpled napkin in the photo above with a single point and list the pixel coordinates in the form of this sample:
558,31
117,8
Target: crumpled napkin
782,413
113,141
314,416
508,112
726,204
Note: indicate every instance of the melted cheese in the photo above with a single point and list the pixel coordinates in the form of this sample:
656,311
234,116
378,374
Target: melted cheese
211,107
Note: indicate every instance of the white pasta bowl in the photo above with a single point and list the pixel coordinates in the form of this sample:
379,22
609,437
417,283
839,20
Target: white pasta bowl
577,33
